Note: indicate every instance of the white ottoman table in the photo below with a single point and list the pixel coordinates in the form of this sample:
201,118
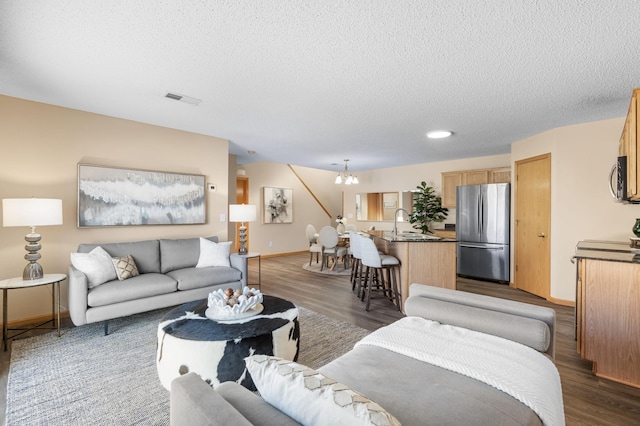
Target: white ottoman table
189,341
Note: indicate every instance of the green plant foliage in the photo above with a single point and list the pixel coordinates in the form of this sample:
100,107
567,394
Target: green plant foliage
427,208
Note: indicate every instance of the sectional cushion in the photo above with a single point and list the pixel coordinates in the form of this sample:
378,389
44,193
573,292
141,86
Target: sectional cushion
145,253
180,253
190,278
527,331
144,285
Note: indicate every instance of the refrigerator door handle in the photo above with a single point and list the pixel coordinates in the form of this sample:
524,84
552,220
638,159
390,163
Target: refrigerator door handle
481,246
478,221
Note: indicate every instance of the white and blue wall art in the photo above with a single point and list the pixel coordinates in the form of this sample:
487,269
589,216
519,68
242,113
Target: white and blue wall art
109,196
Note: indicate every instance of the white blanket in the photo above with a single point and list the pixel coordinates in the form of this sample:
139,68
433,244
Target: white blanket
511,367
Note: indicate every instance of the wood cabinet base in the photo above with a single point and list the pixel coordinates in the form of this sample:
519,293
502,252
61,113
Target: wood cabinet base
608,319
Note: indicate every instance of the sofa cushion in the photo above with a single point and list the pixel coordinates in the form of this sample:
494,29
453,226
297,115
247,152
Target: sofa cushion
253,408
190,278
144,285
96,265
310,397
146,253
213,254
527,331
181,253
445,397
125,267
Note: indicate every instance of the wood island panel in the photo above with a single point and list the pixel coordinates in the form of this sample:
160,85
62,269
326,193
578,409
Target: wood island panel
430,263
608,319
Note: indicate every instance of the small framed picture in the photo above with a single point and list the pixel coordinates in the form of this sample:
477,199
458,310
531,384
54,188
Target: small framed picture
278,205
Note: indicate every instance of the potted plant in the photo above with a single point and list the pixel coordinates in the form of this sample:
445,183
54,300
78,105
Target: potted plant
427,208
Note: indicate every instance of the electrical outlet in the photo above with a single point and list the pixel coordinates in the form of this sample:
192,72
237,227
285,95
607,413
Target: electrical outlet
212,187
270,243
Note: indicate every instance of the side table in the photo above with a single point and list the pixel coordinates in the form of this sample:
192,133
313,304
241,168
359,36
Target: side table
246,257
13,283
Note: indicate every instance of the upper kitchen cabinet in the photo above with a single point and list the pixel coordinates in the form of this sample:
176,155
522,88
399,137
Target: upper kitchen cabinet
450,180
629,147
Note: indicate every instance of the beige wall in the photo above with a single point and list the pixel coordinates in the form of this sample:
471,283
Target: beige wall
581,205
291,237
41,147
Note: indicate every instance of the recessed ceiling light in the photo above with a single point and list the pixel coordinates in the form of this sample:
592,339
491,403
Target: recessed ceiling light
251,152
439,134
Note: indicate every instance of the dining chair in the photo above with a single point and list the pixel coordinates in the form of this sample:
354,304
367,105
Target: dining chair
382,272
328,239
314,247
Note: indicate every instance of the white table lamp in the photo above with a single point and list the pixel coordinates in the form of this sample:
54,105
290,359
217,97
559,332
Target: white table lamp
242,213
32,212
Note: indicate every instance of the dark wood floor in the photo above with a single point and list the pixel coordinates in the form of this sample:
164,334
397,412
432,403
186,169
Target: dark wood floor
588,400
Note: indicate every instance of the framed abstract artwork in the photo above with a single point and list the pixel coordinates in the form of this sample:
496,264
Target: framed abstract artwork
109,196
278,205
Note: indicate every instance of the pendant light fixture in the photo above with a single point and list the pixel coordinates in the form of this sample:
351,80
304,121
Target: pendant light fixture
346,177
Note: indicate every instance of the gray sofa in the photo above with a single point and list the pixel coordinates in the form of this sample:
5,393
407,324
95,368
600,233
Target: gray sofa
168,277
413,391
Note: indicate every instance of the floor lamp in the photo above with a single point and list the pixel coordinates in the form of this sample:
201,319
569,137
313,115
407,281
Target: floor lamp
242,213
32,212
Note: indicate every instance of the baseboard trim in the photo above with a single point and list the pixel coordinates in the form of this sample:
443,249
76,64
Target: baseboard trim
27,322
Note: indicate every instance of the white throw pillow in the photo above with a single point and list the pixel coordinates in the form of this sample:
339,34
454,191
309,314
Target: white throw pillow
96,265
311,398
213,254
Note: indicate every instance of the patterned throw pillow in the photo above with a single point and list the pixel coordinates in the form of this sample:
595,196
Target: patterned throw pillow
311,398
125,267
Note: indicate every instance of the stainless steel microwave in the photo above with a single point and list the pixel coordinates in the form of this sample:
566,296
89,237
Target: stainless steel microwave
618,181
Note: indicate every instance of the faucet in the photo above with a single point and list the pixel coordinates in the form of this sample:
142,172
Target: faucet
395,220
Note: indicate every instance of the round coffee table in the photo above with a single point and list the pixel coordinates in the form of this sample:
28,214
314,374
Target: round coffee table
189,341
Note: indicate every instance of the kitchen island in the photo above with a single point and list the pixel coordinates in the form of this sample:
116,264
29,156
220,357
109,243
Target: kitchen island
608,308
424,259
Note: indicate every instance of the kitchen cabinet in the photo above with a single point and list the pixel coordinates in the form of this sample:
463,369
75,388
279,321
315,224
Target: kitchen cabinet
608,313
442,233
450,180
628,146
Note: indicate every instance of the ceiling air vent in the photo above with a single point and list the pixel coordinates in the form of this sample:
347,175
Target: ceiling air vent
182,98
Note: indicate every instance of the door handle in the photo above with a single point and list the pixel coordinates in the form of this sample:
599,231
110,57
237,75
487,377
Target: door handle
541,235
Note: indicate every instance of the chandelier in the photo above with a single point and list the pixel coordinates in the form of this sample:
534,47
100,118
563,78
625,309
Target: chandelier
346,177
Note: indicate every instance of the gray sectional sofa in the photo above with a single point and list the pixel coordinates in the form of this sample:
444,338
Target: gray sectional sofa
413,391
168,277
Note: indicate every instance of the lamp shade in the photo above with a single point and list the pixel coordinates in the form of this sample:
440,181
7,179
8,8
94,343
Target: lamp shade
31,212
242,213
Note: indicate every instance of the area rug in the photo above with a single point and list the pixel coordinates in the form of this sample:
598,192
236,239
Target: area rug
315,268
86,378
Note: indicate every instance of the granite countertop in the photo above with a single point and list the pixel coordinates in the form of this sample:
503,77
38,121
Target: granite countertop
615,251
409,237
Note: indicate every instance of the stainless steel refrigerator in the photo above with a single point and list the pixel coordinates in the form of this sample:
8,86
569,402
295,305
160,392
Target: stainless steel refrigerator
482,231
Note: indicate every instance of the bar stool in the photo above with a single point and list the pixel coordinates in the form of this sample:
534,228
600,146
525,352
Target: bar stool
377,266
356,263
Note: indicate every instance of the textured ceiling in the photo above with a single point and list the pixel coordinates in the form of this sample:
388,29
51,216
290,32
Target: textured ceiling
314,82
